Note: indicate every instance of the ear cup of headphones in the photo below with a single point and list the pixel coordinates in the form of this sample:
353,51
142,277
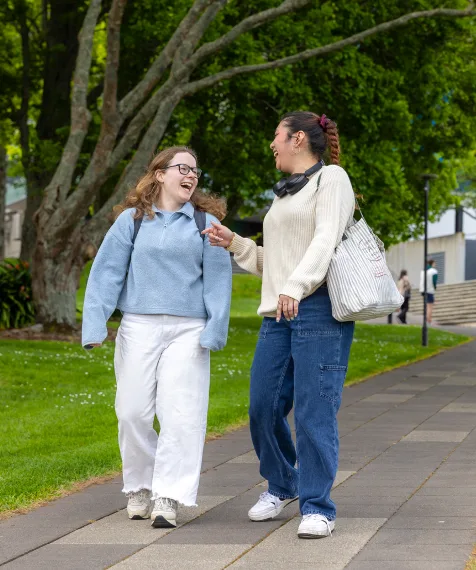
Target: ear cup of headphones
296,182
290,185
280,187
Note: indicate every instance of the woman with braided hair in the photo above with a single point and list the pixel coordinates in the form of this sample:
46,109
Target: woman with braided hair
300,359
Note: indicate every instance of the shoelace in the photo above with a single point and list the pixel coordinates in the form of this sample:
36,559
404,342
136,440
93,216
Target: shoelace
139,497
322,518
267,497
165,504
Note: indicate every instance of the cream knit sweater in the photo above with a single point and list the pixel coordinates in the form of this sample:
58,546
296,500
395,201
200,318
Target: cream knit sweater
300,234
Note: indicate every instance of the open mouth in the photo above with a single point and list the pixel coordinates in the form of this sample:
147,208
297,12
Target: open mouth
275,153
187,185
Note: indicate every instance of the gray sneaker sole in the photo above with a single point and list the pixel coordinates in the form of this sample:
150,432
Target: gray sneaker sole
309,535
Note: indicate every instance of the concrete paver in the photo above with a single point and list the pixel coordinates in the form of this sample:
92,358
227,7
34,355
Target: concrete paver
349,537
405,565
72,556
117,528
183,557
405,494
421,552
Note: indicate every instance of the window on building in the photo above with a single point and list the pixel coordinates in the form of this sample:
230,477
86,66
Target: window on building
440,265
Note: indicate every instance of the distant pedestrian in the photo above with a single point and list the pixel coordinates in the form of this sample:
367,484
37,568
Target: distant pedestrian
431,281
405,289
174,292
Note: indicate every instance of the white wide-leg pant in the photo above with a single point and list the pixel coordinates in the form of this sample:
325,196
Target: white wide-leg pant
162,369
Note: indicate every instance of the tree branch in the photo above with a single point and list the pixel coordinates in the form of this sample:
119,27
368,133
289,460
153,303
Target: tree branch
80,116
141,91
244,26
109,109
140,120
25,96
179,76
196,33
96,169
102,163
137,166
147,112
200,84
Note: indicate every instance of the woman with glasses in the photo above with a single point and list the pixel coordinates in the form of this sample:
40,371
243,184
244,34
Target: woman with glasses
174,292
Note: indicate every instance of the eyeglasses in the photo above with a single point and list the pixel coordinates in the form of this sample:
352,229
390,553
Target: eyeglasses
185,169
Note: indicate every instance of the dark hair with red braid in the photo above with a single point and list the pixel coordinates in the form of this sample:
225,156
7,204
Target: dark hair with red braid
320,130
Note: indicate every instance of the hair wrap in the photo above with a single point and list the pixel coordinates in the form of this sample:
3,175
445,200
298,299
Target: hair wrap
323,121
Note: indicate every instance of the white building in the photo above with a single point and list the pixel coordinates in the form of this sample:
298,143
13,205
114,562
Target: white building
453,251
14,214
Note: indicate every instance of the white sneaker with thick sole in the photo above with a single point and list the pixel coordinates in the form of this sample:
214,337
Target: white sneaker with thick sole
164,513
268,507
315,526
139,504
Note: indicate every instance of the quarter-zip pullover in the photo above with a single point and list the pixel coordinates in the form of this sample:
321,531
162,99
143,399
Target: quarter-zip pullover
169,270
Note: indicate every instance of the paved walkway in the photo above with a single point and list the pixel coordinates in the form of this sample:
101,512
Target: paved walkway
468,329
405,491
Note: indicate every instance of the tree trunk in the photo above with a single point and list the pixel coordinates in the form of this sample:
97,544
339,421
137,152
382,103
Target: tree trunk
3,196
55,278
28,232
61,34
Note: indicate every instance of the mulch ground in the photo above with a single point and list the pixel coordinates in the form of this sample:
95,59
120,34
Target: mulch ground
28,334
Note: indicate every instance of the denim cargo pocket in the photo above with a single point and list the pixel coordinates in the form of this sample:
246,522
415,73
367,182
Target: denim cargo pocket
331,382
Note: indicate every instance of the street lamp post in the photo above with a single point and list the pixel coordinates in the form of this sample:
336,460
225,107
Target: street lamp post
424,332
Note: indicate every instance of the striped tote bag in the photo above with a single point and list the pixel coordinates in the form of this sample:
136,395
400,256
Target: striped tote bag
360,284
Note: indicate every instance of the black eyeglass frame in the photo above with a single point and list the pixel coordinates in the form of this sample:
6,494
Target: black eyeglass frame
197,171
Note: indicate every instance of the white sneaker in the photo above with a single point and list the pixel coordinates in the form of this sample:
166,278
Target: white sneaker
139,505
315,526
268,507
164,513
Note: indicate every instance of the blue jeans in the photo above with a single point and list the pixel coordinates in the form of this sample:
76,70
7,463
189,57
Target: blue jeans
302,361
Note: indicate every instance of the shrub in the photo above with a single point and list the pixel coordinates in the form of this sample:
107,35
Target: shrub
16,303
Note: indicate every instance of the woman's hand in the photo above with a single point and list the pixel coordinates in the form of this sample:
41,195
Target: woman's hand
287,306
219,235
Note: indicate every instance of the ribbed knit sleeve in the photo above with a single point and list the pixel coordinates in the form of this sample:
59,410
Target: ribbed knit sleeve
334,207
248,255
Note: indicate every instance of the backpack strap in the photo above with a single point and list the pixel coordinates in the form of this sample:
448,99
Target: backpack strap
137,225
201,221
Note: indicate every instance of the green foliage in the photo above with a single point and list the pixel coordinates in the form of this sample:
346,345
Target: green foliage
466,176
404,100
16,305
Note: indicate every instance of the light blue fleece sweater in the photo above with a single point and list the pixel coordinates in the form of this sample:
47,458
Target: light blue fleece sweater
171,271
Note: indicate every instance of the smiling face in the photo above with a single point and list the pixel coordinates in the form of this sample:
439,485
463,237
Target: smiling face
175,186
282,147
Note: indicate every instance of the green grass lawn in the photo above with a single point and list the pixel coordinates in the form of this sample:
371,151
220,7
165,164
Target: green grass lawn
57,408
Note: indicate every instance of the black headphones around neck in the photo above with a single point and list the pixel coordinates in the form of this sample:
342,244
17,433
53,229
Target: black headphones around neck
295,182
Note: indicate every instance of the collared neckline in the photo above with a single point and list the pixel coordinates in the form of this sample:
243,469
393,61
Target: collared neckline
186,209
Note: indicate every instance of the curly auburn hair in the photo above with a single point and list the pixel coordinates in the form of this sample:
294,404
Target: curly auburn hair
146,192
321,131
